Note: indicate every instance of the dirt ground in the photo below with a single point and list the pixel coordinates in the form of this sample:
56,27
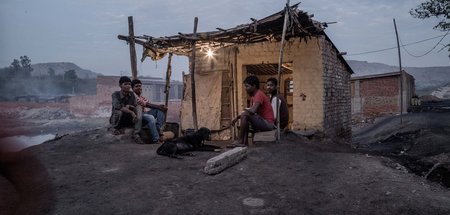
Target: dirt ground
94,172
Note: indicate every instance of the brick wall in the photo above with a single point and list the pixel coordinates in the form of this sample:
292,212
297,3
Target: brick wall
308,85
336,94
95,104
83,105
106,85
380,94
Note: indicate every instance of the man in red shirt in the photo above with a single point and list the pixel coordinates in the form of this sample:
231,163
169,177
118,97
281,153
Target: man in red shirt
259,115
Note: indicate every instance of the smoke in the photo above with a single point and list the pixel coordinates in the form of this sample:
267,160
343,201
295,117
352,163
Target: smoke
45,88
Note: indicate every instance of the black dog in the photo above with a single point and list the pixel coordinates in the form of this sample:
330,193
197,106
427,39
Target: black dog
191,142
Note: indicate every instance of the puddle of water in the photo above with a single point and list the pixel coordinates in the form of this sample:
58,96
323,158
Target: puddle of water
17,143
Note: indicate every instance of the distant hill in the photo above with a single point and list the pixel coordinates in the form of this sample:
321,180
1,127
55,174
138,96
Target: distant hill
425,77
41,69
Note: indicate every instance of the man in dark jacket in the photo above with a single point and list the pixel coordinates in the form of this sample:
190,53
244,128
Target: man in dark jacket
124,109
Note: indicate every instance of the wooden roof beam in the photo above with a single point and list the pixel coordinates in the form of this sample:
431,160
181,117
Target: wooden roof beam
221,29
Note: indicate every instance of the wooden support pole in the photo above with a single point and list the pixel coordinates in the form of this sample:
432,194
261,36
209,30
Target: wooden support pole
233,89
401,74
280,63
235,85
194,101
132,48
167,87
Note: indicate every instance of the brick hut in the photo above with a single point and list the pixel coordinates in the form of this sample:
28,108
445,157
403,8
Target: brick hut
315,78
379,94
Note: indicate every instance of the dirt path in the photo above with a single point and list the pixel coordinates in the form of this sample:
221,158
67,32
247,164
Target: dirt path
95,173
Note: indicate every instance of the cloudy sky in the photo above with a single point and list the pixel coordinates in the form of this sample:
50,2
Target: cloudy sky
85,31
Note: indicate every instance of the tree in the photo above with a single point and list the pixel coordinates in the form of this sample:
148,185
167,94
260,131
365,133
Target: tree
15,65
14,69
51,72
435,8
20,69
70,75
25,62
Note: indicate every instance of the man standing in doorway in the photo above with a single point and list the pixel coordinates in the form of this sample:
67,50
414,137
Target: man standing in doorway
271,86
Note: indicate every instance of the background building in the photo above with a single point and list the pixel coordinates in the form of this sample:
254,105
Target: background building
374,95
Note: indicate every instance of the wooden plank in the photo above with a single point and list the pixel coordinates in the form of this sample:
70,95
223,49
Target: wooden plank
226,108
280,63
194,101
167,87
132,48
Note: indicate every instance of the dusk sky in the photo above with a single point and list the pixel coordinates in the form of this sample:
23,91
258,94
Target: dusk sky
85,31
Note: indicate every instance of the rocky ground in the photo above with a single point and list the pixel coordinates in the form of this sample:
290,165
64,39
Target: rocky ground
94,172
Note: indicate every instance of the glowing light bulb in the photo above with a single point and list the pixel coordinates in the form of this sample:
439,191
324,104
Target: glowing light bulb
210,53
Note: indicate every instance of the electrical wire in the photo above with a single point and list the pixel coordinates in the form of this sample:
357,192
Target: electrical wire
406,50
380,50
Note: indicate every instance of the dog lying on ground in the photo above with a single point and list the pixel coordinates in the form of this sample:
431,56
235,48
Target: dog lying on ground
186,144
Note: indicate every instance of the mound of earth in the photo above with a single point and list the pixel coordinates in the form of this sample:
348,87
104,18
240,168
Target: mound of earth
421,143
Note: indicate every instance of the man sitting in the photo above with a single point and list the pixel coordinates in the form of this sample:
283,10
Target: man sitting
124,111
153,115
271,86
259,115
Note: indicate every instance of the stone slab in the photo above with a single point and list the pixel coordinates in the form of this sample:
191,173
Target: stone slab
227,159
265,136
